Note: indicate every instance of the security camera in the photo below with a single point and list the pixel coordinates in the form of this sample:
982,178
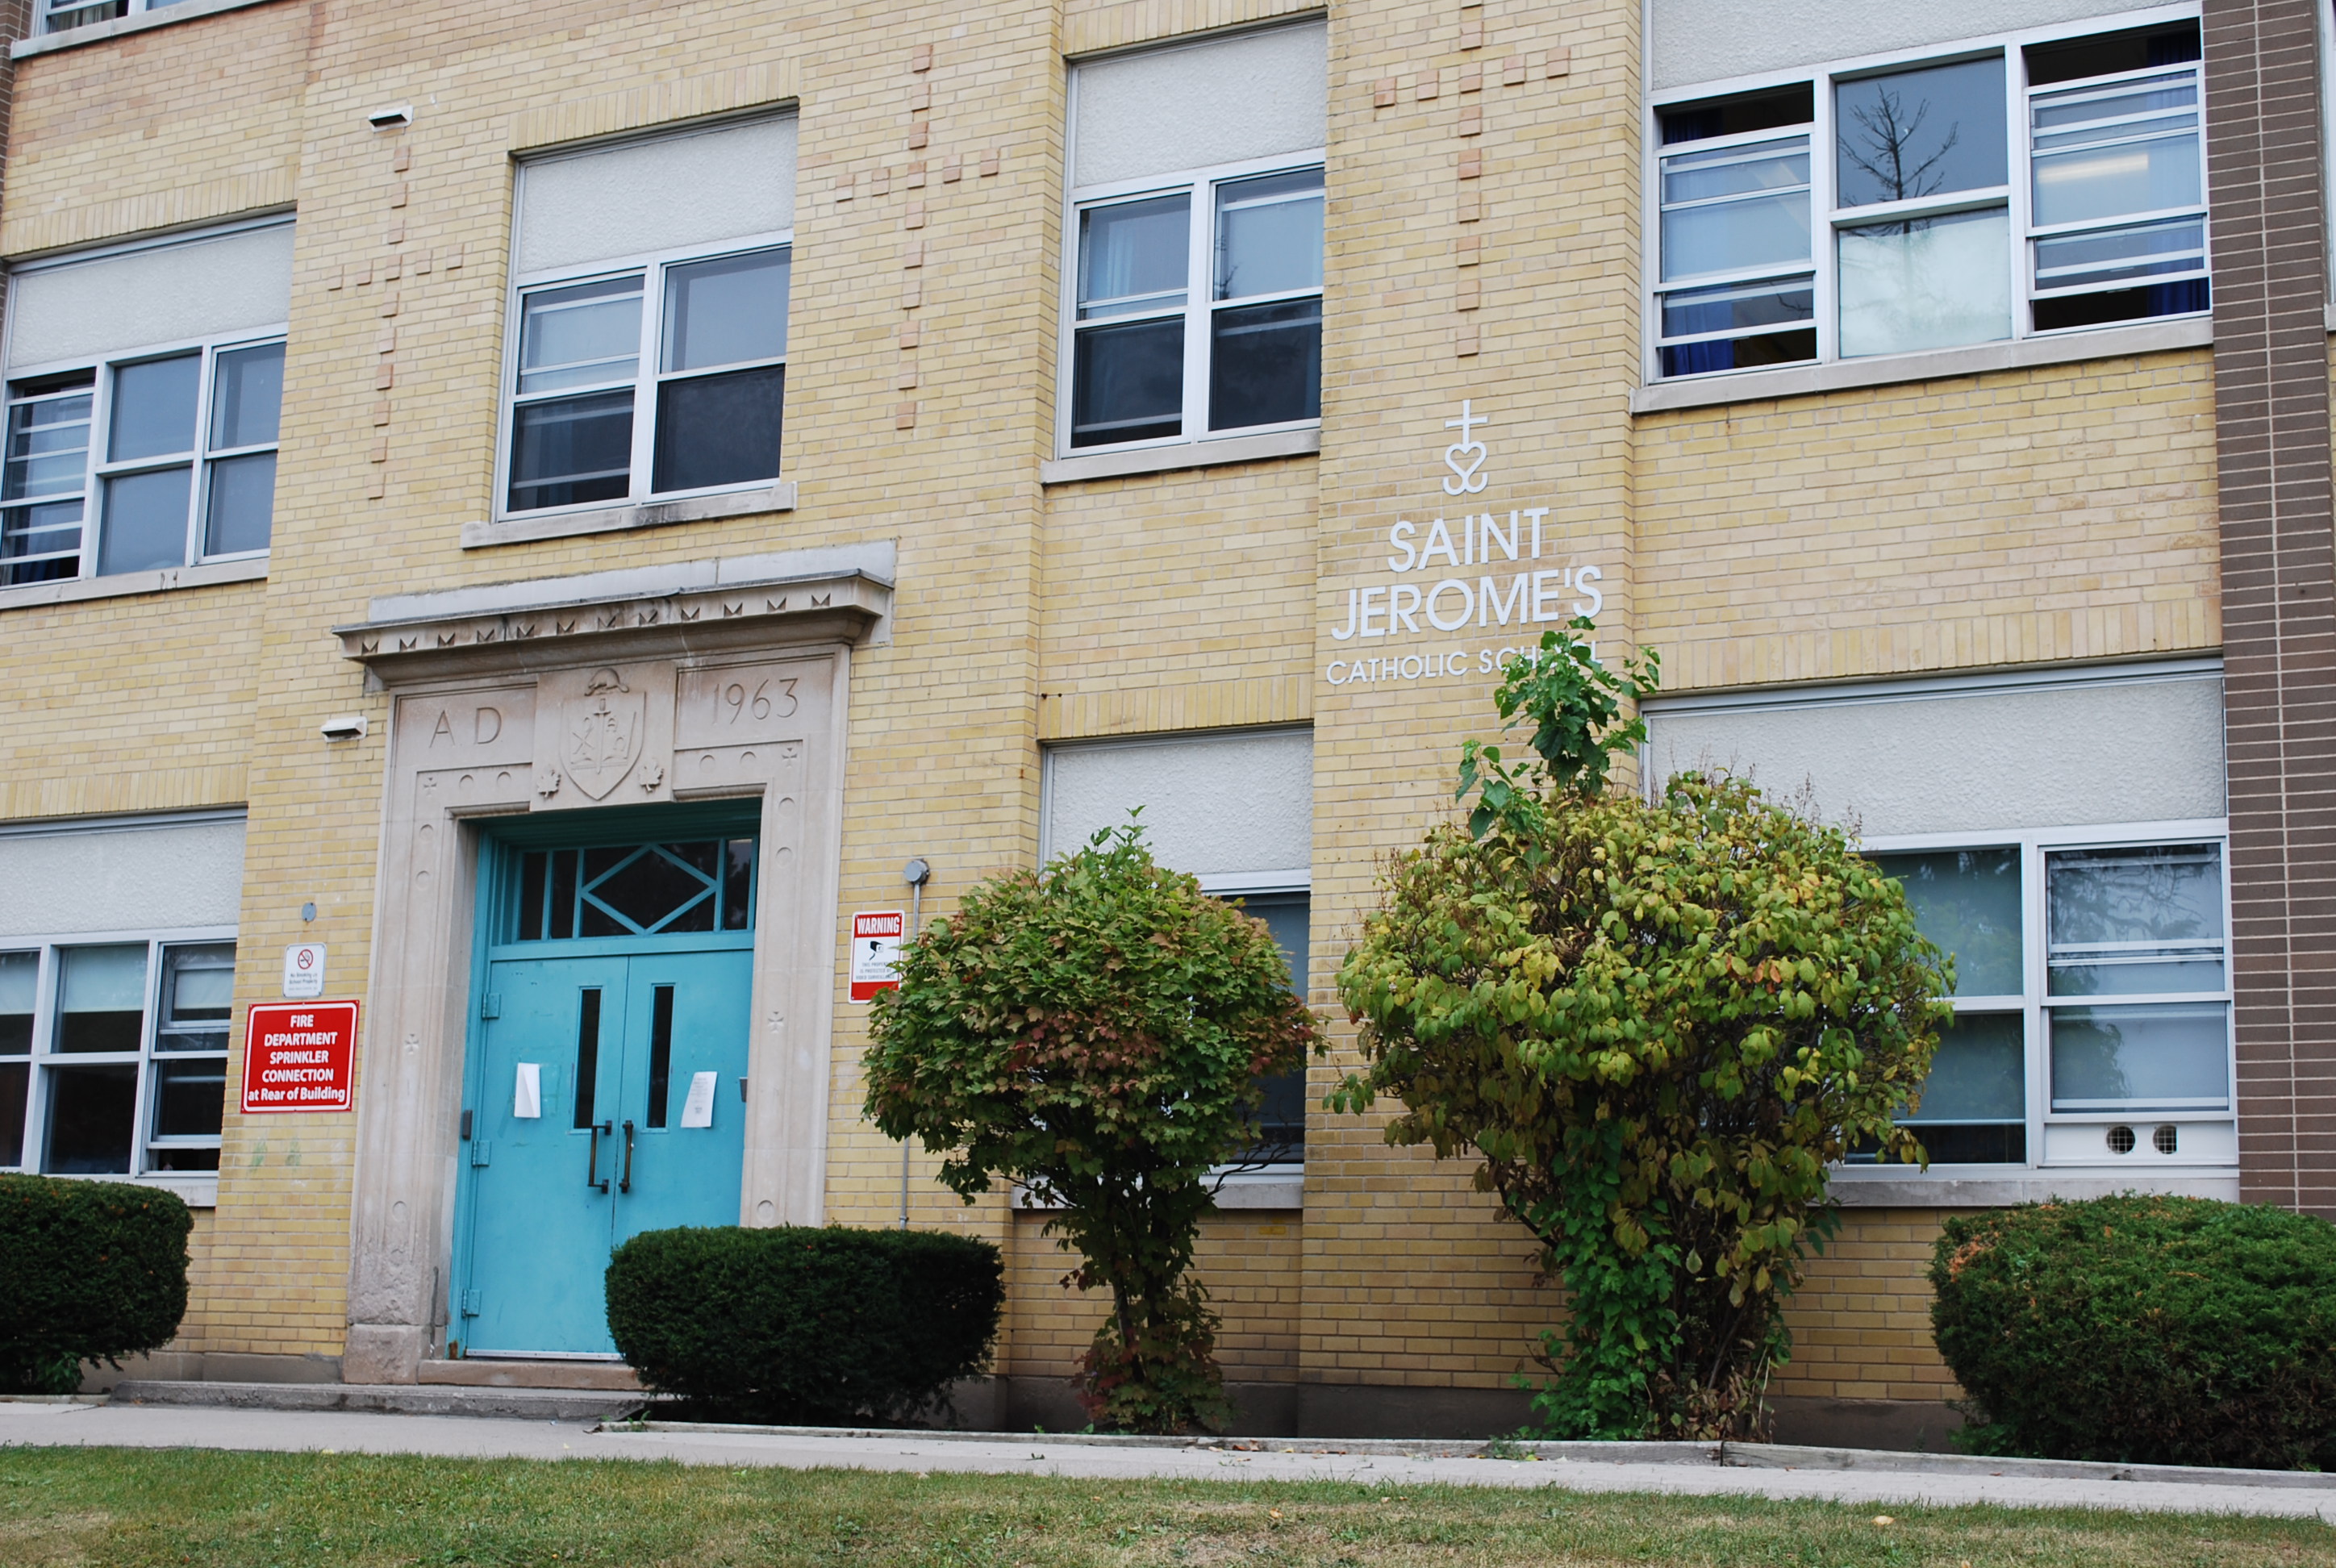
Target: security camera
345,726
391,118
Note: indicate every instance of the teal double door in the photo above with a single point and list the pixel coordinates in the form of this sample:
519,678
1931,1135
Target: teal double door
604,1095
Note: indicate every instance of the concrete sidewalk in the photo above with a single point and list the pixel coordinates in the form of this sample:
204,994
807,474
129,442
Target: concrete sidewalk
1854,1476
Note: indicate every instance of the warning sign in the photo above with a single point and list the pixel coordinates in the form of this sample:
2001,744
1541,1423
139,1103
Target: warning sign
876,952
299,1057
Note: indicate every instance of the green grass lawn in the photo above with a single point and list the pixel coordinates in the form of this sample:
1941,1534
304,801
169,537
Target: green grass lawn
128,1507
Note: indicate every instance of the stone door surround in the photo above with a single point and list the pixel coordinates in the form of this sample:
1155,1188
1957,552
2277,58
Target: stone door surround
691,682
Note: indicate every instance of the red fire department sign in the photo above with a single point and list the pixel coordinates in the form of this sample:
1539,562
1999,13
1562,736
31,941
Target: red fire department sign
299,1057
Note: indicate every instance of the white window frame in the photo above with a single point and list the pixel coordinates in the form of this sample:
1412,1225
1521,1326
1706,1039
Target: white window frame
1198,186
2032,1002
97,468
1827,220
651,267
46,1058
50,12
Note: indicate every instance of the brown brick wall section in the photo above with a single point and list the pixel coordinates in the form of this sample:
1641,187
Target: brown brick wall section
2279,627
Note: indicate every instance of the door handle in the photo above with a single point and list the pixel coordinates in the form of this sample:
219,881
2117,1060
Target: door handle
626,1183
592,1177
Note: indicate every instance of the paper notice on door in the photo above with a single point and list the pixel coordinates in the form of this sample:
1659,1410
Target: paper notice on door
697,1111
527,1094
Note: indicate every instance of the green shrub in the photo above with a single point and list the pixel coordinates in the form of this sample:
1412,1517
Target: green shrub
89,1271
799,1325
2146,1330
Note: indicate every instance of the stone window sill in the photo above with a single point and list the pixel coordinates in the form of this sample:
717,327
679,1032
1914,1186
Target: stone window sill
1187,455
779,497
1267,1187
99,32
1968,1187
122,584
1804,380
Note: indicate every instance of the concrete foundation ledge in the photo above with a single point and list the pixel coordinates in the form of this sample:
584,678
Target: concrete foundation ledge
391,1399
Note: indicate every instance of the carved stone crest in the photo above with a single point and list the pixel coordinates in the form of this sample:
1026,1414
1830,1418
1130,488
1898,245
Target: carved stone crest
601,733
603,728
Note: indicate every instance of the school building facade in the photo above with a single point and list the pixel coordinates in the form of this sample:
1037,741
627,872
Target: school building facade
441,571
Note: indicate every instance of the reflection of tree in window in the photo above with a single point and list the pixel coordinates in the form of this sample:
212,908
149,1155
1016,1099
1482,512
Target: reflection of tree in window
1889,131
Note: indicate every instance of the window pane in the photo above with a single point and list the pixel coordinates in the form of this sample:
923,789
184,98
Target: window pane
101,997
40,543
653,887
2131,921
246,396
1281,1115
1915,133
16,1085
1932,283
738,885
1128,383
198,998
2106,152
1770,111
1980,1074
190,1094
1739,353
1270,235
145,522
19,976
1738,307
92,1114
1134,257
48,446
2190,297
1265,364
726,312
580,337
571,450
1967,902
155,408
2149,1058
2120,256
242,504
1731,209
719,429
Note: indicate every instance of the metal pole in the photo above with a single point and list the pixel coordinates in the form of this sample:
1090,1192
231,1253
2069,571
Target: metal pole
917,874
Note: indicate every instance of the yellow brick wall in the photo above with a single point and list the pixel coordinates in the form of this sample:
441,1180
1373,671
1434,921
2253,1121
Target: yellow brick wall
2055,513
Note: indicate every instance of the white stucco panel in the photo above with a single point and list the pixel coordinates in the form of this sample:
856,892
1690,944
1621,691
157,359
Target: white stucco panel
1696,41
2143,749
1214,805
657,194
143,299
121,880
1249,96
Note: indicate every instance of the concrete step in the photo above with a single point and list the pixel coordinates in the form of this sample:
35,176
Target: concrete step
484,1372
392,1398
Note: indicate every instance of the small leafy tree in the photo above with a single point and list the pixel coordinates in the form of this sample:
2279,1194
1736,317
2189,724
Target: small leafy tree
1096,1033
1654,1024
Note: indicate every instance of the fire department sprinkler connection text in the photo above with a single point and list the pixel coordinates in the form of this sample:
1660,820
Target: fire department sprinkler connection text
876,952
299,1057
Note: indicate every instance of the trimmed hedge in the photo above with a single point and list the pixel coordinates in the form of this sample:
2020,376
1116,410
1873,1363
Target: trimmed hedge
805,1325
89,1271
2145,1329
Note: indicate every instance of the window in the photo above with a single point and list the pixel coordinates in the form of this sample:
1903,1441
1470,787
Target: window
1195,304
650,344
2092,1001
56,16
113,1056
588,425
2017,188
634,890
143,394
1158,352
